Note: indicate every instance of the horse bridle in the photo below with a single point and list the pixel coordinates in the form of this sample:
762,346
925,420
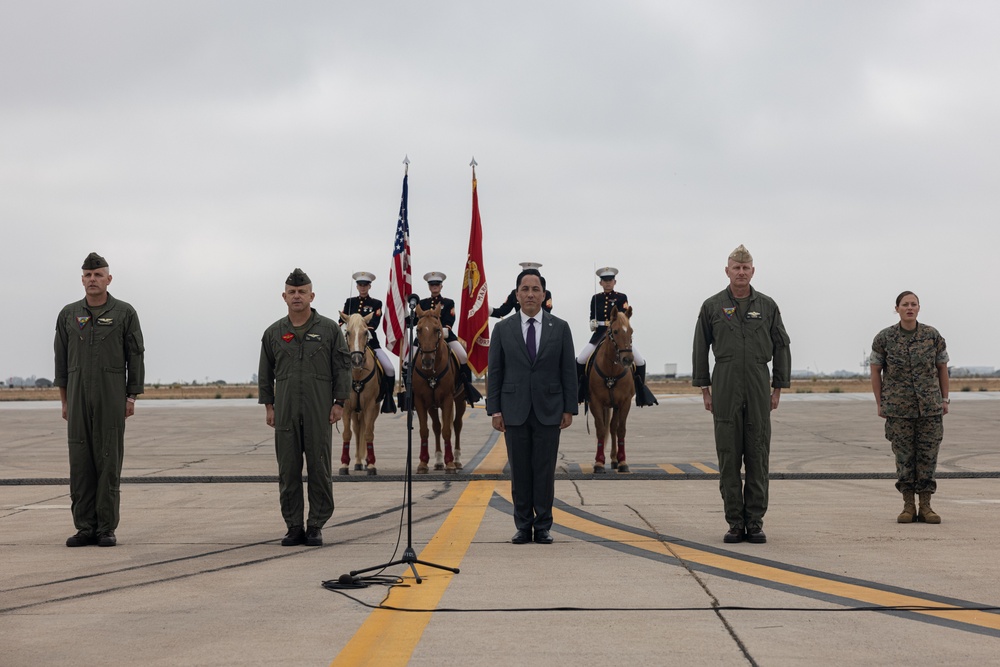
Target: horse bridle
422,352
358,384
618,350
358,356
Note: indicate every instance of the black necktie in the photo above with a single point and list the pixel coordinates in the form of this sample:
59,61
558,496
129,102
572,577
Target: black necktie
532,350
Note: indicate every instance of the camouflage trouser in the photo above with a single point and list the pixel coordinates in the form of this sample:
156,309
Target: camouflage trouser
915,442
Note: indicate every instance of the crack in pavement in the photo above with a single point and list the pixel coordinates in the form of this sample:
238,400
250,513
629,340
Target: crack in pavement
704,586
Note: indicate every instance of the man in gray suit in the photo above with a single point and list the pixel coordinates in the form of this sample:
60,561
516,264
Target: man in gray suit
531,396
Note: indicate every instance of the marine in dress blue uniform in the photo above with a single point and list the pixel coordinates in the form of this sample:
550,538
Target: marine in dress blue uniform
365,305
601,305
435,281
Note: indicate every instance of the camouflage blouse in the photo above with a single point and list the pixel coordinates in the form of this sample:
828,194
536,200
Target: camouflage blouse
909,361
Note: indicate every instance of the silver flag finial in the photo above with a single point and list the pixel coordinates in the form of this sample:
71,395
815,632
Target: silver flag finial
473,163
406,160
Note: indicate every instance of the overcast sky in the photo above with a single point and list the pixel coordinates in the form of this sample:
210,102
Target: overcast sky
208,148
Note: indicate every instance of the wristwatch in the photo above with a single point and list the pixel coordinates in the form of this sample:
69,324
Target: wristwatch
339,402
946,399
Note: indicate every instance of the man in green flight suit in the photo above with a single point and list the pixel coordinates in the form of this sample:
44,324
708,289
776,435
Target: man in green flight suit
744,330
303,381
99,372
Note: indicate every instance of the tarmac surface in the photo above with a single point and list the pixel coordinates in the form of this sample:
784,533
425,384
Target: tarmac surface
638,573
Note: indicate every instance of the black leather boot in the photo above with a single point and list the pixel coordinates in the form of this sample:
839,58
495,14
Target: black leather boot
388,384
472,394
643,396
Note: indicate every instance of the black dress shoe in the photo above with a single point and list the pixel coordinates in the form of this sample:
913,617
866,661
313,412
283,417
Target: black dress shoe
736,534
756,536
543,536
107,539
294,537
521,537
81,539
314,537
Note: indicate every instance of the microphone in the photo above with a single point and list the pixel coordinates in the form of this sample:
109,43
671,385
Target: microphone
413,300
348,580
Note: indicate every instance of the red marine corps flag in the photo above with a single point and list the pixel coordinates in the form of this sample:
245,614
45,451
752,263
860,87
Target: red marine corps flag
473,319
400,281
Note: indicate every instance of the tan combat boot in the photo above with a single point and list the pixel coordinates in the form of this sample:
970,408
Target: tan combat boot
926,514
909,513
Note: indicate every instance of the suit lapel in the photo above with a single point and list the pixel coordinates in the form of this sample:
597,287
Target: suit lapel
518,334
545,322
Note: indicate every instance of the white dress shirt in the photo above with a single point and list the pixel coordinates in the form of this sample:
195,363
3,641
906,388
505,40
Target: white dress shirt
538,329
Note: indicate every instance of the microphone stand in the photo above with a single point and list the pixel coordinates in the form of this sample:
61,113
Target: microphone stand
409,555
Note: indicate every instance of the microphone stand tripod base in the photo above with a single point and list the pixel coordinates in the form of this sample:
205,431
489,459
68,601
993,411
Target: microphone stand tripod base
409,555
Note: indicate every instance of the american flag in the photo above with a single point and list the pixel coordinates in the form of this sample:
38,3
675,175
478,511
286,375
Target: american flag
400,283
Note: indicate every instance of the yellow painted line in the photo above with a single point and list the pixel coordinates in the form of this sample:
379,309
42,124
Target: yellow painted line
494,462
387,638
865,594
704,468
673,470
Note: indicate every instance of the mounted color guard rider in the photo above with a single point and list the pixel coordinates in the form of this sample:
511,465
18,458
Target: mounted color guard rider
364,305
511,303
434,283
600,312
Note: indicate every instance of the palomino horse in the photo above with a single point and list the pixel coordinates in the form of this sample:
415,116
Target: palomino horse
612,389
362,406
436,386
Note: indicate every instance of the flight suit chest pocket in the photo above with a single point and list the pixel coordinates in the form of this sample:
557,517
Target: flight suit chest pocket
107,326
755,328
317,353
723,325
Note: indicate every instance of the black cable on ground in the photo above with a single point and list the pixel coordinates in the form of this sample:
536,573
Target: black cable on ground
339,588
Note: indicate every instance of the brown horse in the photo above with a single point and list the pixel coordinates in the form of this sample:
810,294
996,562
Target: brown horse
612,388
362,405
437,386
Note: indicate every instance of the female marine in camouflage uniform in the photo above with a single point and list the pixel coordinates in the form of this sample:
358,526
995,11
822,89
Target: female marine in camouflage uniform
909,365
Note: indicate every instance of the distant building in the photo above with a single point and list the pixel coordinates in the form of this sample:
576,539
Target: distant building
970,371
670,370
43,383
